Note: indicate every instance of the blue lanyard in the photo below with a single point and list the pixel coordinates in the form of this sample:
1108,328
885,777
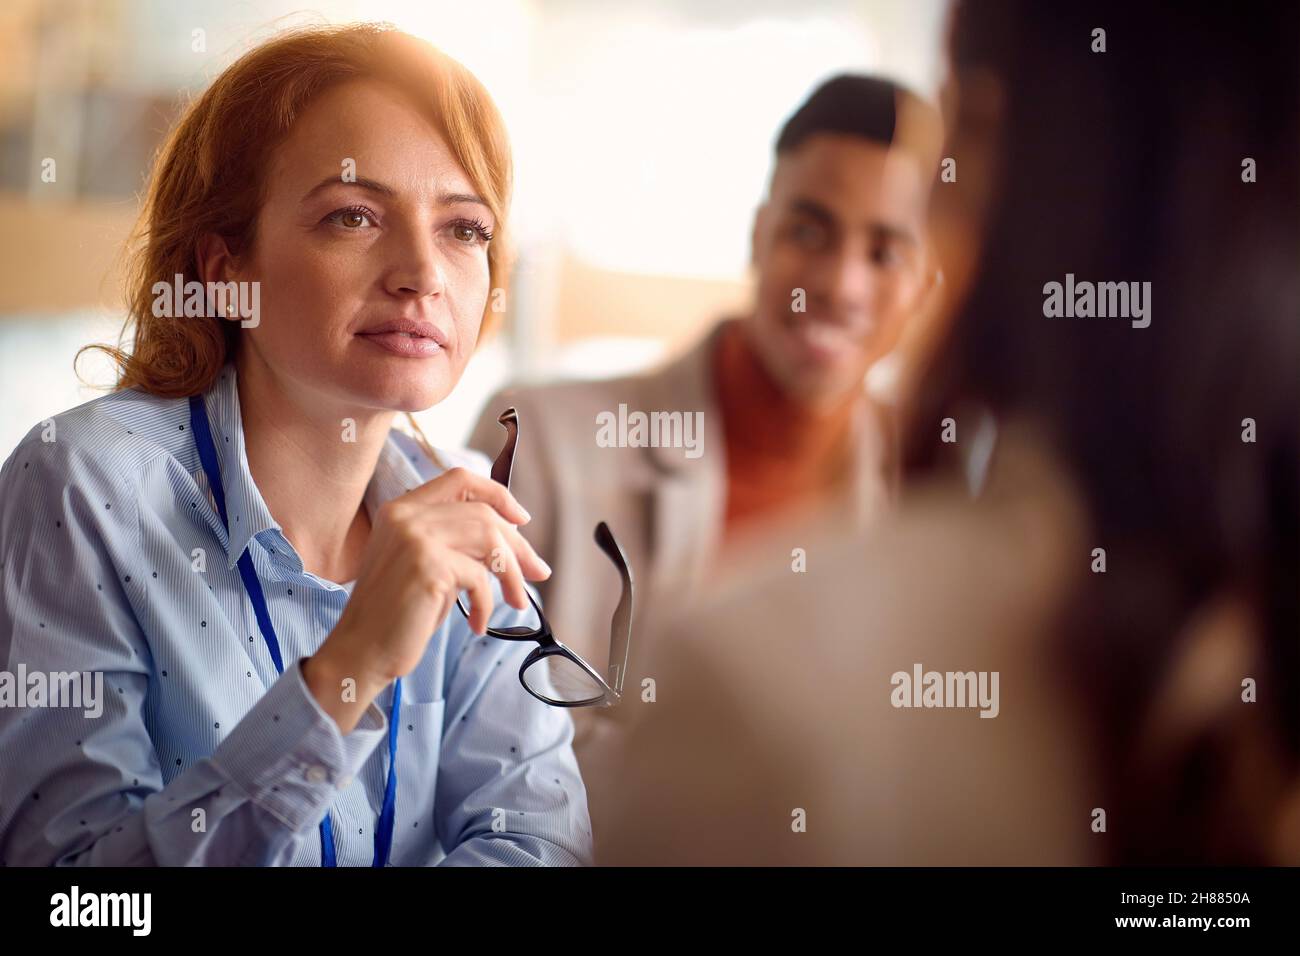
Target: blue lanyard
384,832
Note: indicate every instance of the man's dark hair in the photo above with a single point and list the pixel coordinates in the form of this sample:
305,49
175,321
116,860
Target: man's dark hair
868,106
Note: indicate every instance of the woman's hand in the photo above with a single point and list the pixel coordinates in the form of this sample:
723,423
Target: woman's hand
425,547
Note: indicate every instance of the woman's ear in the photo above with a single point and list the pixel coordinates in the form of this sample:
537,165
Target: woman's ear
215,261
217,264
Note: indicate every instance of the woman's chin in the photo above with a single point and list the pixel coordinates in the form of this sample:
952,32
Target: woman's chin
412,400
405,384
396,395
422,397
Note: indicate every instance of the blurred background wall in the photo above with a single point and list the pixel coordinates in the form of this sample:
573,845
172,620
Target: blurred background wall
642,129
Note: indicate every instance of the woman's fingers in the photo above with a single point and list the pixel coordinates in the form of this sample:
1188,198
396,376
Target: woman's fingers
486,537
530,562
461,484
482,529
503,562
472,577
468,516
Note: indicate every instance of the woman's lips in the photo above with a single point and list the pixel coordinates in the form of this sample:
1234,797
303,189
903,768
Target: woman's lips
403,343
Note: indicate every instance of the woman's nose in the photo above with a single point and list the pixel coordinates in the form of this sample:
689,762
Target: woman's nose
416,268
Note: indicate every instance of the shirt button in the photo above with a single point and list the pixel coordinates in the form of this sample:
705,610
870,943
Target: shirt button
344,781
316,774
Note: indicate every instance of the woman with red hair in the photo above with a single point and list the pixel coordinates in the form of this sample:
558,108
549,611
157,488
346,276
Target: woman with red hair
241,563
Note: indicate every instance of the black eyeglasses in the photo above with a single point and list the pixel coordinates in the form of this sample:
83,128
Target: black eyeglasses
553,673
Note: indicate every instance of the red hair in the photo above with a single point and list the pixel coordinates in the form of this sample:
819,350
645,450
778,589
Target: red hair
208,178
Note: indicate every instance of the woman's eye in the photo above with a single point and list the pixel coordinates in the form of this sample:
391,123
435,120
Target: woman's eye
352,219
466,231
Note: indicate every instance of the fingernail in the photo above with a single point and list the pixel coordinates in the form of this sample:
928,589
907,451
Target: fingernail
527,516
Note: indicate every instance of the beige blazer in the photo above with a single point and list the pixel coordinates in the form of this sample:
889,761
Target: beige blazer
665,508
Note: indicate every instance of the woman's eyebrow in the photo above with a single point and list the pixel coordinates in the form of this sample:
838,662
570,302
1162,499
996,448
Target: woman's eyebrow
450,199
383,189
371,185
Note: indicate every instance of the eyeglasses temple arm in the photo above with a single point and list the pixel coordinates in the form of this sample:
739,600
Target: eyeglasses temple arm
621,622
503,465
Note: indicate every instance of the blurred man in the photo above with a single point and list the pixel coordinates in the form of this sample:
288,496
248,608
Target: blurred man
764,419
768,413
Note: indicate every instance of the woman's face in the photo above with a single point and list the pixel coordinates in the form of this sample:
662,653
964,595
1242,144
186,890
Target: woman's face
371,249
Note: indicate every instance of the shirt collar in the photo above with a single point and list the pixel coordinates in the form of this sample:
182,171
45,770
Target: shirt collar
246,509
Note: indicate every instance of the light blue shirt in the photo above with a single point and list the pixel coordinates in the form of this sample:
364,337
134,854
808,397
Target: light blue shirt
114,562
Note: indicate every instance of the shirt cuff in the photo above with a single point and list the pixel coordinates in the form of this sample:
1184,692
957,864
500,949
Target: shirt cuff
290,757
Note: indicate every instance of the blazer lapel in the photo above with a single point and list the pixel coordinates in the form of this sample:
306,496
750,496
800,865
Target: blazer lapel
685,500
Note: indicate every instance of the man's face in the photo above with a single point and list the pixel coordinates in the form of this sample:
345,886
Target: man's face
842,235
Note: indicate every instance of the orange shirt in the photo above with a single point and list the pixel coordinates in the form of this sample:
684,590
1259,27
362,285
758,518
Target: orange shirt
779,453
